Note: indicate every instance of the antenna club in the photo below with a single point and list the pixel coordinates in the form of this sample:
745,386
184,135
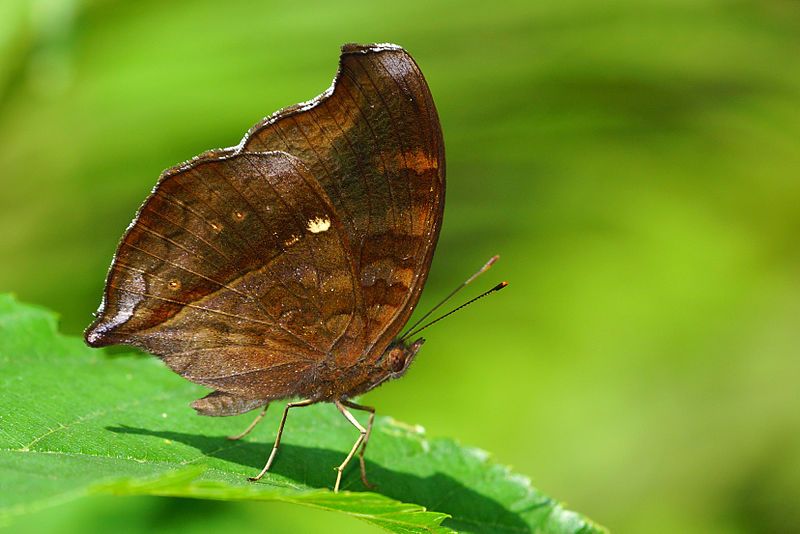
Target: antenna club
489,263
500,286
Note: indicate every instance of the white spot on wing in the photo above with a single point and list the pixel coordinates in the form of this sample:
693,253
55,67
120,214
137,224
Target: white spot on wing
317,225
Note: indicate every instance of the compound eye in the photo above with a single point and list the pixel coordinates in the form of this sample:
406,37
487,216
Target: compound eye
397,361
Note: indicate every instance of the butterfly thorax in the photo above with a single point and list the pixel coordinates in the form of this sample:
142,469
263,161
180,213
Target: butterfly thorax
368,374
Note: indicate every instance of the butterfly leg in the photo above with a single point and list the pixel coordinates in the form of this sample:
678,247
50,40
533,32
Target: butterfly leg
356,445
363,450
278,437
247,430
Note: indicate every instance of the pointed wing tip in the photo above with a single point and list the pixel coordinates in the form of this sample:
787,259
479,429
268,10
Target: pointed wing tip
93,338
97,334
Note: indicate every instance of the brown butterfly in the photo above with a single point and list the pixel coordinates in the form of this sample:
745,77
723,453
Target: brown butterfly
286,266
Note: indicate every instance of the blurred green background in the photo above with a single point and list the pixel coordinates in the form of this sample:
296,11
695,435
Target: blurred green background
635,163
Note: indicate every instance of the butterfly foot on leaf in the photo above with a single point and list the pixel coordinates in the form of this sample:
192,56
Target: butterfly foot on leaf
261,474
338,470
367,484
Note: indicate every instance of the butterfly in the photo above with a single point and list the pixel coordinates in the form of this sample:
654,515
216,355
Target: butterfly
286,266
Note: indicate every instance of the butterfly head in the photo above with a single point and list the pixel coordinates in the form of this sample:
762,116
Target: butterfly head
398,356
393,363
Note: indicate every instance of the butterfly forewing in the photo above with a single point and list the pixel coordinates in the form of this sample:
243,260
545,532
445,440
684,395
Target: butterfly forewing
374,143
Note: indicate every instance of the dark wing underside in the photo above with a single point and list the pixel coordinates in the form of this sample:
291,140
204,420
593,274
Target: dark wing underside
252,269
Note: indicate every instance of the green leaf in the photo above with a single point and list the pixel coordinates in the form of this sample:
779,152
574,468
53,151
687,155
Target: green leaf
76,421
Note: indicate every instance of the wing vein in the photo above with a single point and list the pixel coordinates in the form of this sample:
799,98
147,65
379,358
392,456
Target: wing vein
187,230
401,145
353,277
384,174
247,295
336,148
246,201
172,241
253,252
310,145
242,373
191,305
222,284
202,217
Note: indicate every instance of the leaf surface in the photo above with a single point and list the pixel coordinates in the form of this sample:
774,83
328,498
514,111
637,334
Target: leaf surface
76,421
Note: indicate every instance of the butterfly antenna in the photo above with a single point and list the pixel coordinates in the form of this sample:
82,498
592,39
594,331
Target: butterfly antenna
465,283
498,287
